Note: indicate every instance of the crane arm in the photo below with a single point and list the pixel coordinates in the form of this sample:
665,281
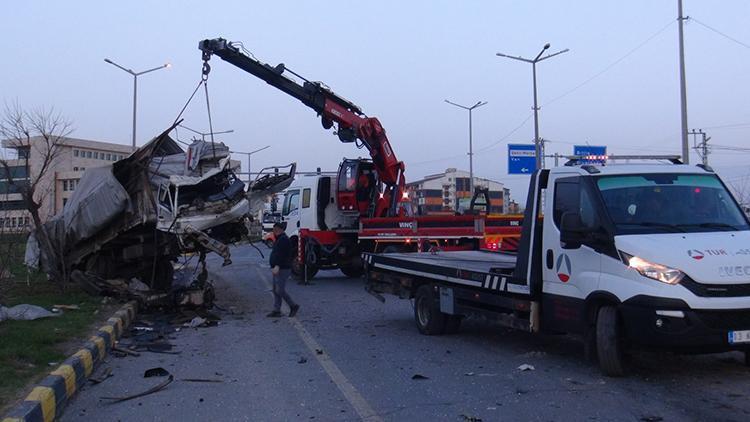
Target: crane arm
352,123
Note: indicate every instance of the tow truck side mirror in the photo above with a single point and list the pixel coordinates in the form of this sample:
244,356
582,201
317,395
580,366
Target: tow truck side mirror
572,230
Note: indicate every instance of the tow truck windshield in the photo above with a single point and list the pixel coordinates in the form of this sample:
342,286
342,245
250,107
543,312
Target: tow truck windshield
670,203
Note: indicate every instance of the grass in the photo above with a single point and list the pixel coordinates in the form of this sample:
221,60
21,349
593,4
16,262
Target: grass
28,347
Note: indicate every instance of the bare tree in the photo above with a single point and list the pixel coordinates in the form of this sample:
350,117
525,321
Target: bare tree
42,131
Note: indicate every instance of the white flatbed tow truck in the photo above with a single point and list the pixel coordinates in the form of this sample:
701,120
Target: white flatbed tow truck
650,255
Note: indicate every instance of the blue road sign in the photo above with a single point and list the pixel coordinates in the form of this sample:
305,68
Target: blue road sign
595,151
521,158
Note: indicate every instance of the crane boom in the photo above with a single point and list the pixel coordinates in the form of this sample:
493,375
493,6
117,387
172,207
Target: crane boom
352,123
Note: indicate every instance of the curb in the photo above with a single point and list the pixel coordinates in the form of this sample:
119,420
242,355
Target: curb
48,398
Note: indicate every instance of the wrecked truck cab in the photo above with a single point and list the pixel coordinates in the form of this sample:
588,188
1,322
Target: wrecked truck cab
134,218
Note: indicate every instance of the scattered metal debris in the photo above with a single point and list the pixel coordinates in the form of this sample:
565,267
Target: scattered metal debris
125,351
151,390
526,367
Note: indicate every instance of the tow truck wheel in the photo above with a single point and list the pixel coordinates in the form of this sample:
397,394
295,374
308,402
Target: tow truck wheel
609,342
299,271
430,321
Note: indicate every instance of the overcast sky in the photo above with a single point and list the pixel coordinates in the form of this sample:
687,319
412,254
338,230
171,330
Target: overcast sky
398,60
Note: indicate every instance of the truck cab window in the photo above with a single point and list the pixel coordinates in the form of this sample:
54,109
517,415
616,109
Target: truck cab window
572,196
291,202
306,198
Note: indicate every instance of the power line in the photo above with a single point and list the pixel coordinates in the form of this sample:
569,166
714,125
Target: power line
611,65
735,40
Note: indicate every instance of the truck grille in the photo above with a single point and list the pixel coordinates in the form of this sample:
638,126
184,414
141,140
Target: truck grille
716,290
726,320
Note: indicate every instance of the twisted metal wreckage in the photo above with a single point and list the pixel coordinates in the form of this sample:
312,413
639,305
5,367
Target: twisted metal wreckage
127,223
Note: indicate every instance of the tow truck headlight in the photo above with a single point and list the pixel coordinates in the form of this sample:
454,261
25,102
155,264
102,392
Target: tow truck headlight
651,270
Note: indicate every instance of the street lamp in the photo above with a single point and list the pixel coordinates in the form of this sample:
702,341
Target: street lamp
537,59
248,158
471,151
135,85
203,134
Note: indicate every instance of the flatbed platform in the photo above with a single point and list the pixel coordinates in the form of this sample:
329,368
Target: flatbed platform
488,270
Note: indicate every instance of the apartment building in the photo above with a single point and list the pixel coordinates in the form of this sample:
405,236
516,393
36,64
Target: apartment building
450,192
71,158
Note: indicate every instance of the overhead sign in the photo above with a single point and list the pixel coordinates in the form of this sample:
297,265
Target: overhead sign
596,153
521,158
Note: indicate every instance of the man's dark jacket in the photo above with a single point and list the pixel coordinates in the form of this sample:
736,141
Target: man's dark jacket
281,254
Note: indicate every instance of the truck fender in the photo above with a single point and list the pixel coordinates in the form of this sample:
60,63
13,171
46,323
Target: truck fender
594,301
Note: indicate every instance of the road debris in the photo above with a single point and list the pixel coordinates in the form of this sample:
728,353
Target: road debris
200,380
66,307
302,359
526,367
196,322
151,390
105,373
419,377
469,418
125,351
155,372
25,312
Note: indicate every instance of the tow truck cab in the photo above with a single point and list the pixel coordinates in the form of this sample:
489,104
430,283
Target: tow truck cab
667,245
654,255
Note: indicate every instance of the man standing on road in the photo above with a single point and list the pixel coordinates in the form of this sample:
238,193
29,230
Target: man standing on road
281,258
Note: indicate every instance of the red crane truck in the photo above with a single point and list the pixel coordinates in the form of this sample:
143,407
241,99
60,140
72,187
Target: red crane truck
365,207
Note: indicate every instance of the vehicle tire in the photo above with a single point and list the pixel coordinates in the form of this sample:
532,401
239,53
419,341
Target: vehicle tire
430,321
353,271
298,270
609,345
453,323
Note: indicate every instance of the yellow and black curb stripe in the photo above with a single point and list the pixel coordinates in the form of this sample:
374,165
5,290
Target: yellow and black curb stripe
49,397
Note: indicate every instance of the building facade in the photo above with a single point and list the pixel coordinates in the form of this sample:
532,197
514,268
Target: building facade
71,158
449,192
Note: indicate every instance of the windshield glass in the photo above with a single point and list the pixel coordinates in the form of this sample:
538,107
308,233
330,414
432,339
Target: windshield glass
669,203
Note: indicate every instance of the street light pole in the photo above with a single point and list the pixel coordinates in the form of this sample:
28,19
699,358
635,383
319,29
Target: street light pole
471,148
135,86
203,134
248,158
537,59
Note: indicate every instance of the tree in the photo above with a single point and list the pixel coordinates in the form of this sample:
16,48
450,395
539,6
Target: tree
40,133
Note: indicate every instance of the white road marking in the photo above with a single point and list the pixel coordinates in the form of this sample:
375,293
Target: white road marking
360,405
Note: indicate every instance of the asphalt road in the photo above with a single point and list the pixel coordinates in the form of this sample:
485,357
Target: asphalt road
348,357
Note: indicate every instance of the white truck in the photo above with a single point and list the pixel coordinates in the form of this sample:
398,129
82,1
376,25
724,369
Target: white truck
654,255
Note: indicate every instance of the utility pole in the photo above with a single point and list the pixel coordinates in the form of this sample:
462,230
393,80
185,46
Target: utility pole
702,147
683,88
537,141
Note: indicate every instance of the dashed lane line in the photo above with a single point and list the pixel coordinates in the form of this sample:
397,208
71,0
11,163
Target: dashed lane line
360,405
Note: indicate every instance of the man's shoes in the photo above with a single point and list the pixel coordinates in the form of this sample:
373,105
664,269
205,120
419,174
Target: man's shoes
274,314
293,311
